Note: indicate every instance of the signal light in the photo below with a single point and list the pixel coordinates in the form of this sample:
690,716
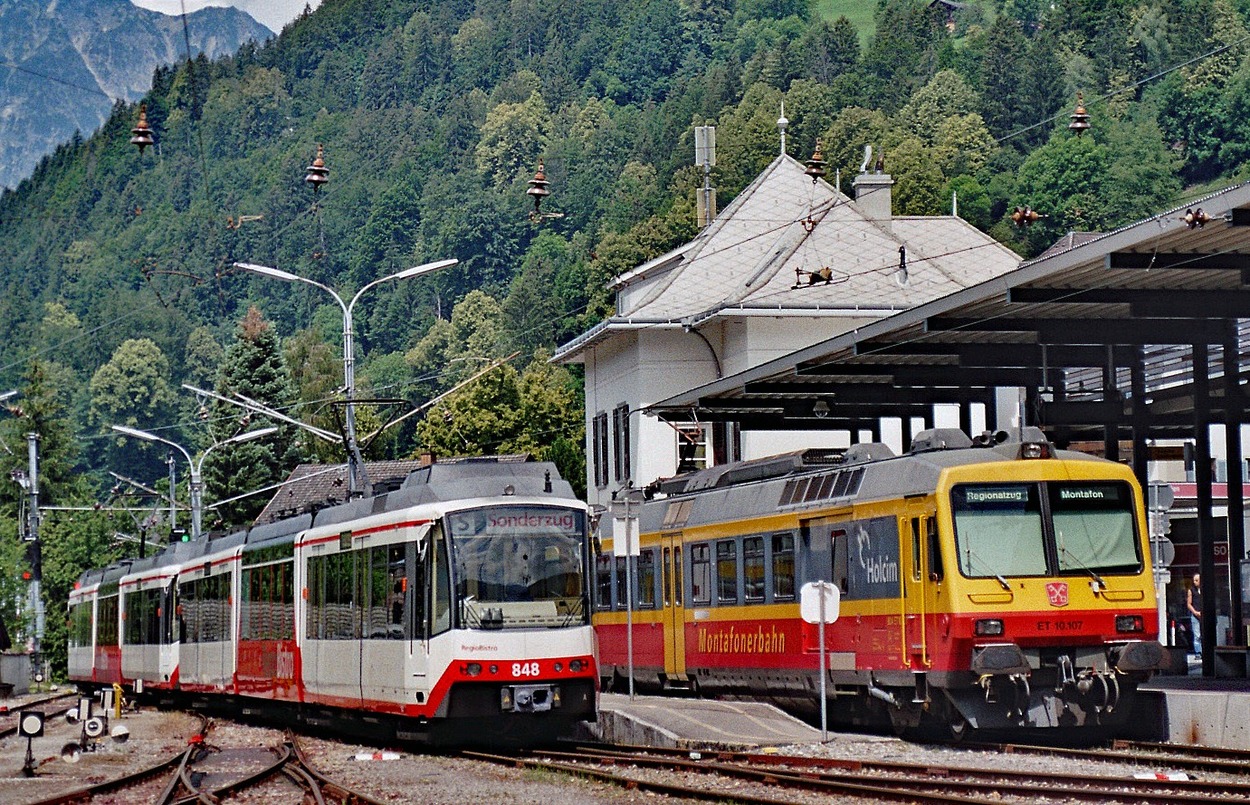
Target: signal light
1129,624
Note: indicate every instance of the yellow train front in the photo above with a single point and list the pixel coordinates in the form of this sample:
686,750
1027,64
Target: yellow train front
996,585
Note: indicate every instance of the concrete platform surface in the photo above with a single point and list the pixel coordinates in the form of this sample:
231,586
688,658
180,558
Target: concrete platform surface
1190,710
688,723
1199,710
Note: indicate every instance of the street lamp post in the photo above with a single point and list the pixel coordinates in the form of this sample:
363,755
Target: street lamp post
356,480
196,464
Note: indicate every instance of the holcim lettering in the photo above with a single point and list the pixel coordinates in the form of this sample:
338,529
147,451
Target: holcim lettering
881,570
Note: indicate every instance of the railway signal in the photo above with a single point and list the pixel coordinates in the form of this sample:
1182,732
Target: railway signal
30,727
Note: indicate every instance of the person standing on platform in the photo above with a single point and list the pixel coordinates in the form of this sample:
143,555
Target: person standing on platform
1193,601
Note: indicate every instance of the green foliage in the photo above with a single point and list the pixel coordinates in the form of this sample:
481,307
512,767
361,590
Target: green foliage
253,367
133,390
433,117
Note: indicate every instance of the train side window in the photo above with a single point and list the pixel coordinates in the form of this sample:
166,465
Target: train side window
679,586
753,568
838,538
621,579
915,549
106,621
783,567
667,576
701,573
603,581
314,615
416,590
935,549
646,579
727,572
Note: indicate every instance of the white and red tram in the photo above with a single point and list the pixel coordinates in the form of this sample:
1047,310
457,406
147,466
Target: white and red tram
453,609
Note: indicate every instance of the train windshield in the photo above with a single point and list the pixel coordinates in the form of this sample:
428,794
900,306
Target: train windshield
1038,529
519,566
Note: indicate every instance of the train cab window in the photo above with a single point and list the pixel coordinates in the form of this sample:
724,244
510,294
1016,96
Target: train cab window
1093,524
603,581
753,568
701,573
727,571
783,567
646,579
440,609
935,549
999,530
80,625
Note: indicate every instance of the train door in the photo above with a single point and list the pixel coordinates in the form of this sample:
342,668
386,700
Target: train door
674,610
917,593
385,647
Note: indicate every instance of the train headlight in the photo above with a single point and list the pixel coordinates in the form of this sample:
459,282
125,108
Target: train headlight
473,669
494,669
559,667
575,666
1129,624
1035,450
989,627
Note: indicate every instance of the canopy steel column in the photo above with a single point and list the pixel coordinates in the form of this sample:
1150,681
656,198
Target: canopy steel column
965,416
1110,430
1234,412
1206,524
1141,418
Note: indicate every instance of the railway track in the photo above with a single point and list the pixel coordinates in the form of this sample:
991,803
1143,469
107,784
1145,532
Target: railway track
1179,757
204,773
50,706
775,778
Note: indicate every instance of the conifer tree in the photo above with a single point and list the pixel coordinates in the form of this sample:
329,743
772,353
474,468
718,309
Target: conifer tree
254,367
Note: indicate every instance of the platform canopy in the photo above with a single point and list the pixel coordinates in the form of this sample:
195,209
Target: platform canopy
1102,333
1139,333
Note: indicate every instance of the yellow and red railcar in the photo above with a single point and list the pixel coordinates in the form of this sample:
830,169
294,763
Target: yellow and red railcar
995,585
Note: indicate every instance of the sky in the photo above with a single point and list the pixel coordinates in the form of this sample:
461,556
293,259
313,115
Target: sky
273,14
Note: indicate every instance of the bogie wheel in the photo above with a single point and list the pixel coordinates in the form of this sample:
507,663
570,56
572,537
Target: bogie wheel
958,726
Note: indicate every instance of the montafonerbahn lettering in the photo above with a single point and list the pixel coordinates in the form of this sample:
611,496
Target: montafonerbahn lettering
732,641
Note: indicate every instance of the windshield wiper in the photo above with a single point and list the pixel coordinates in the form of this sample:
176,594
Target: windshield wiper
1063,549
985,566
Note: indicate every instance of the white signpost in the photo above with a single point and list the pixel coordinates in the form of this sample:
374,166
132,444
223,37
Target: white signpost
624,544
819,602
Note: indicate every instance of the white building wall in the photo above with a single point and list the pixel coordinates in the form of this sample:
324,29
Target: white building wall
637,368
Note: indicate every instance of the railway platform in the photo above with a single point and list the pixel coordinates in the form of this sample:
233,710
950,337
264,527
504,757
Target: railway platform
1174,708
690,723
1197,710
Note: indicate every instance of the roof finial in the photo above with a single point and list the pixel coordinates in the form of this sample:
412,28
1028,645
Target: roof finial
781,127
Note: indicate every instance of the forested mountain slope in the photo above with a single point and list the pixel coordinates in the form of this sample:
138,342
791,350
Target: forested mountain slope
66,62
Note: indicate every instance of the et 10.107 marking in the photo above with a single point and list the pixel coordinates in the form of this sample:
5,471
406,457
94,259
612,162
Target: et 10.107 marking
1059,626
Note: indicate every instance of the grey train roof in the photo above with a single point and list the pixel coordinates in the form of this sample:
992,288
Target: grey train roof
720,494
456,479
